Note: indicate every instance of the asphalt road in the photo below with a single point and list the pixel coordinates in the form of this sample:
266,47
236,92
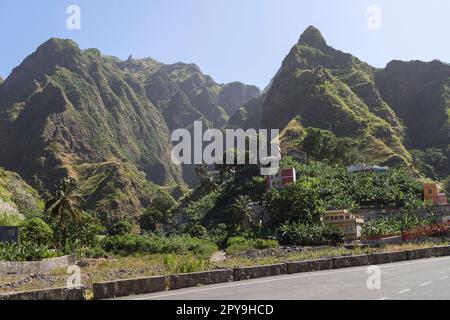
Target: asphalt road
427,279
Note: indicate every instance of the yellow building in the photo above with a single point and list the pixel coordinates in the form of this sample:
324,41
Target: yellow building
349,223
432,195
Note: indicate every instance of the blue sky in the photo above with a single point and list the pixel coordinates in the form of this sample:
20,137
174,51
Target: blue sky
243,40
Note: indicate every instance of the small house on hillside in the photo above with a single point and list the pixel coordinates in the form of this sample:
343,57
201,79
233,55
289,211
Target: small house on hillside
432,195
283,178
349,223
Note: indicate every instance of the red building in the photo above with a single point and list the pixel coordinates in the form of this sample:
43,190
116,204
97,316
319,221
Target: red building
281,179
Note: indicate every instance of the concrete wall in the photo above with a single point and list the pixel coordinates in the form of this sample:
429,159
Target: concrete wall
50,294
309,266
259,272
187,280
33,267
123,288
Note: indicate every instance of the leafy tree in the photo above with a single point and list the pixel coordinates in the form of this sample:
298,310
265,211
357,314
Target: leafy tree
120,228
163,203
324,145
198,231
198,211
65,206
208,185
242,214
297,203
149,220
84,232
35,230
201,171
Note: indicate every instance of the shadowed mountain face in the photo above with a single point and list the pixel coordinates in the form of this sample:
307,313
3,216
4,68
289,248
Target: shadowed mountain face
382,110
233,96
184,94
419,93
105,122
63,107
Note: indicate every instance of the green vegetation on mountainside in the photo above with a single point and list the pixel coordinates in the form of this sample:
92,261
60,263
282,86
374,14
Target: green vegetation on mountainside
328,89
18,195
397,116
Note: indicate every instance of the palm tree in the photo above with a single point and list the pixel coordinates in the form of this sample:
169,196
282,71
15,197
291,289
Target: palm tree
242,212
208,185
201,171
65,206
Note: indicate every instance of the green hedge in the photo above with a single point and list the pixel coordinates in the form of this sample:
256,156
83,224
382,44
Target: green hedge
236,245
25,252
151,244
309,235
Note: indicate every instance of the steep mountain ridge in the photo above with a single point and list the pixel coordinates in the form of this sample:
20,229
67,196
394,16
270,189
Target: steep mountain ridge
105,122
419,92
335,91
168,86
388,112
64,107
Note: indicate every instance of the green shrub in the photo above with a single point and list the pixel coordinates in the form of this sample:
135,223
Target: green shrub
176,264
35,230
150,218
236,245
395,224
120,228
82,235
309,235
24,252
266,244
151,244
238,241
10,219
96,252
199,231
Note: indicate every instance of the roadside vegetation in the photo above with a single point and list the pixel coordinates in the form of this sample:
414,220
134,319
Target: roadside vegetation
230,211
130,267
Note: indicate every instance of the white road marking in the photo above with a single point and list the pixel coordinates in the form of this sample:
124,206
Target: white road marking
250,283
425,284
404,291
384,298
443,278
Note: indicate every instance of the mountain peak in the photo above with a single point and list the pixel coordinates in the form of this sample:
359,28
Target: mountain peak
54,51
313,38
57,44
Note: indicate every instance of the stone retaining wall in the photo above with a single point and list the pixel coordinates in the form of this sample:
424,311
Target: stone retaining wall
442,251
309,266
187,280
259,272
50,294
32,267
123,288
107,290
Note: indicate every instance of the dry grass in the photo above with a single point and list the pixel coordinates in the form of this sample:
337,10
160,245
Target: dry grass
152,265
314,254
